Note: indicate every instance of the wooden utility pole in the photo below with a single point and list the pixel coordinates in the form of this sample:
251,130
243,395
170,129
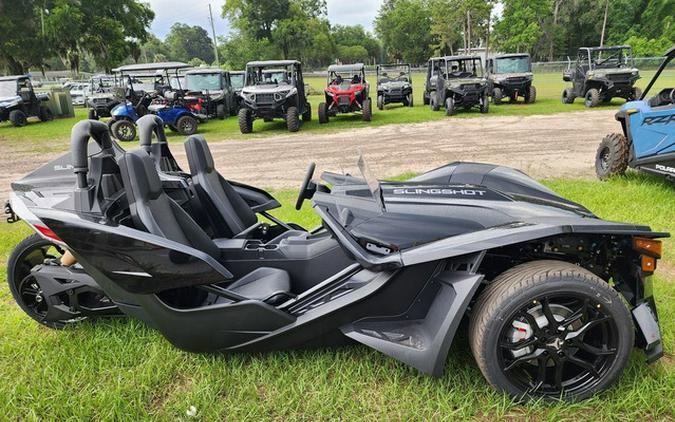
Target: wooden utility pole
604,24
213,31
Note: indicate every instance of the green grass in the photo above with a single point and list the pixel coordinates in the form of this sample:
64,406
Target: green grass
121,370
55,135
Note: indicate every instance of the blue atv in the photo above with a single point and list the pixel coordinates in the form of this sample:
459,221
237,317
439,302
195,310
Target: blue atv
177,117
648,139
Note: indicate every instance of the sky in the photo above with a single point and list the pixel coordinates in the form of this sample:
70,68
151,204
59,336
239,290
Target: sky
196,12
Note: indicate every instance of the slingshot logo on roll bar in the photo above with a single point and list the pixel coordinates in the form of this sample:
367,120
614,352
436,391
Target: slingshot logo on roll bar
438,191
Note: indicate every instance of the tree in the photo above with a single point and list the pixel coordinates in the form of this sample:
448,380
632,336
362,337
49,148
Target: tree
22,44
357,36
520,27
404,26
186,42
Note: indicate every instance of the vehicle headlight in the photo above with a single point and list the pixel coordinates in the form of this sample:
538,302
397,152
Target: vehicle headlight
634,73
278,96
249,96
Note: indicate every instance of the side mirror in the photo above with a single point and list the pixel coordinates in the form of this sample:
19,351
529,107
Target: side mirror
567,76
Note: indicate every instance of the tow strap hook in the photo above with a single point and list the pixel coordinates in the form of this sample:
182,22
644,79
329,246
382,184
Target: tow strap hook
11,216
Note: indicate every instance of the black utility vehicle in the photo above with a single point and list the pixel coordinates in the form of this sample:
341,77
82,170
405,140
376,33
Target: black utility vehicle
273,89
18,101
456,81
510,76
394,85
600,74
212,87
556,297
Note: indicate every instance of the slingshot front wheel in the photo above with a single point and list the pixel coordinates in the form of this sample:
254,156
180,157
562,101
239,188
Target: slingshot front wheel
550,329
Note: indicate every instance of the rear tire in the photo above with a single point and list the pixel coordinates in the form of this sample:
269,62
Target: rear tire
323,113
245,121
425,98
485,104
497,96
380,102
46,114
433,102
592,98
410,100
449,106
187,125
543,303
292,119
637,93
123,130
220,111
18,118
611,159
367,110
567,96
531,95
307,115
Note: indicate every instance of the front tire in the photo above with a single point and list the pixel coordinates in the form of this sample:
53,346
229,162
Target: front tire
323,113
92,114
568,96
409,100
307,115
449,106
292,119
123,130
611,159
425,98
550,329
592,98
220,111
433,102
18,118
497,96
245,120
637,94
367,110
531,96
380,102
46,114
485,104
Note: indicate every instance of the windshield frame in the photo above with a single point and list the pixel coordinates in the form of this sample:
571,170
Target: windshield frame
477,71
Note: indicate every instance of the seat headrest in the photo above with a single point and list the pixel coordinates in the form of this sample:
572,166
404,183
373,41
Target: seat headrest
198,155
142,175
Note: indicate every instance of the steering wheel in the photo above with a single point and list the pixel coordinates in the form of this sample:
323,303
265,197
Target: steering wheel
307,188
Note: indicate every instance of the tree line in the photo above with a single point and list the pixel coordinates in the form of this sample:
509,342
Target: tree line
102,34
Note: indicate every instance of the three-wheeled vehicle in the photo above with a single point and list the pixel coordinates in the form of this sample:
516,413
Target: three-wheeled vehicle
146,88
456,81
510,76
600,74
347,91
394,85
647,139
556,297
274,89
19,101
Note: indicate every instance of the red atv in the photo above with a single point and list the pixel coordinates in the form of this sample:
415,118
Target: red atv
347,92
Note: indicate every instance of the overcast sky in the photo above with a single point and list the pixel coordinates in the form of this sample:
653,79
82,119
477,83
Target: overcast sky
196,12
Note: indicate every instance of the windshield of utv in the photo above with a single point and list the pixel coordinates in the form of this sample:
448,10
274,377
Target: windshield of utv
611,58
7,89
344,80
466,68
237,80
512,65
394,74
261,76
203,82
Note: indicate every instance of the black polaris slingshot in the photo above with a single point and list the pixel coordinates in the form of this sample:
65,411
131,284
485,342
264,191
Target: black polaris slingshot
555,297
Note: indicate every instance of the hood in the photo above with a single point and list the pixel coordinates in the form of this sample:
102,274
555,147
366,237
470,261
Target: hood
613,71
461,81
395,84
498,76
266,89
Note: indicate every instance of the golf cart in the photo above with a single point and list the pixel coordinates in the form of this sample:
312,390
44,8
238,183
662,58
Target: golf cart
347,91
18,101
395,266
510,76
147,88
394,85
101,99
600,74
457,81
211,86
273,89
647,140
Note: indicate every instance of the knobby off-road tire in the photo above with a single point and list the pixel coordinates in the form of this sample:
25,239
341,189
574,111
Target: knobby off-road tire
567,96
220,111
307,115
367,110
409,100
425,98
434,103
611,159
592,98
637,93
380,102
123,130
485,104
573,296
497,96
92,114
292,119
18,118
46,114
245,120
449,106
29,252
323,113
531,95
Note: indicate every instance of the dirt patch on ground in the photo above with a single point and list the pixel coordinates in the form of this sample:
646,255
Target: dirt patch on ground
559,145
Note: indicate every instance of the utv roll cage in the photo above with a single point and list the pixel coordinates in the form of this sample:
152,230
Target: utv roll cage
357,72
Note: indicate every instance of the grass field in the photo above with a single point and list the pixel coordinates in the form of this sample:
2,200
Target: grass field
121,370
55,135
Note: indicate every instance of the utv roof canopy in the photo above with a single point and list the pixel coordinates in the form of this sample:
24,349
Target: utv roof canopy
455,58
14,77
266,63
611,47
513,55
356,67
140,67
205,71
